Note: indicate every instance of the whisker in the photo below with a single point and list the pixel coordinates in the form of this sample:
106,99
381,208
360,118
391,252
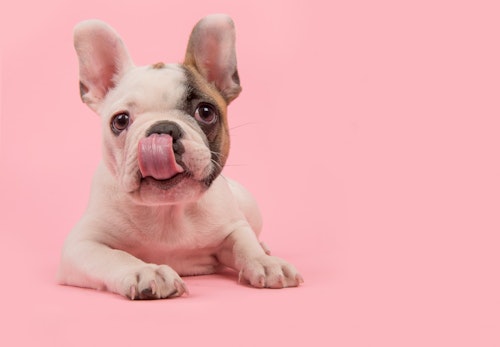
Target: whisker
242,125
216,164
235,165
218,155
224,177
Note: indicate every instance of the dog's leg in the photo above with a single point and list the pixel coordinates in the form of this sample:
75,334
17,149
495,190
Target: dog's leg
265,248
87,263
242,251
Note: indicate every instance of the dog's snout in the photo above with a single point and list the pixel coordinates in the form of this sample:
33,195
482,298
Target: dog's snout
172,129
166,127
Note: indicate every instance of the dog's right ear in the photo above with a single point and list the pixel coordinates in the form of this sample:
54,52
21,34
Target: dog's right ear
103,59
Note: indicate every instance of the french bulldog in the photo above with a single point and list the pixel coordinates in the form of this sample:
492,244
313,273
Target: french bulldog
159,207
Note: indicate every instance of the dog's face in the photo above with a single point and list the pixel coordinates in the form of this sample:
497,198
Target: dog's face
165,133
165,128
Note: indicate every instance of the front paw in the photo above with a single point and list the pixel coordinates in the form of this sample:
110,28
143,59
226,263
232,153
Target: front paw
270,272
151,281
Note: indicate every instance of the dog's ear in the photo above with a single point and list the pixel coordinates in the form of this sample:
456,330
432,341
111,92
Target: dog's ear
103,59
211,51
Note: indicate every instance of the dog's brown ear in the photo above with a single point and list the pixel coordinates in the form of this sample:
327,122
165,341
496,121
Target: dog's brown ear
211,51
103,59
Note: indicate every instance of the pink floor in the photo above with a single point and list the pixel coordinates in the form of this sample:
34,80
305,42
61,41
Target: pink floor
369,132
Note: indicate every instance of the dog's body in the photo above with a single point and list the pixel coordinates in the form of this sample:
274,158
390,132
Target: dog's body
159,208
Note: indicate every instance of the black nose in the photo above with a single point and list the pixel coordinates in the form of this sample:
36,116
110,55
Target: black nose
172,129
166,127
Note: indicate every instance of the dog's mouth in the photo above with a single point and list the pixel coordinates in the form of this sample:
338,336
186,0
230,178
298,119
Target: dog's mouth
158,164
165,184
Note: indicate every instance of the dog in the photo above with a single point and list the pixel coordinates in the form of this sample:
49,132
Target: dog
159,207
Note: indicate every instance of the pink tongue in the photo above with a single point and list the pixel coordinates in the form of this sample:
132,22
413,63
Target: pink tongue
156,157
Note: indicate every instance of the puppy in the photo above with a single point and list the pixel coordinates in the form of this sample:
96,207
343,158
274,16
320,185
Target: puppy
159,207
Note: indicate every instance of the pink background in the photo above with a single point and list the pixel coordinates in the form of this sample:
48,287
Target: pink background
367,130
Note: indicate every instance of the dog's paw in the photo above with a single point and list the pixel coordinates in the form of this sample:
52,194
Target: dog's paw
151,281
270,272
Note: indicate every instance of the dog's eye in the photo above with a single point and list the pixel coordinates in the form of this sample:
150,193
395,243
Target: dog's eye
206,113
120,122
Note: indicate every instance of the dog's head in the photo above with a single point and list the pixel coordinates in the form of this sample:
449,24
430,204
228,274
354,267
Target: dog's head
165,128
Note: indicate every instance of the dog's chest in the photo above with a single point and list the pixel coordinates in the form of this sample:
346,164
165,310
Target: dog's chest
188,246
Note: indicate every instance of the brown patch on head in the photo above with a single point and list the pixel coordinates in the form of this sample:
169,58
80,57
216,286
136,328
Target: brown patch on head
199,90
159,65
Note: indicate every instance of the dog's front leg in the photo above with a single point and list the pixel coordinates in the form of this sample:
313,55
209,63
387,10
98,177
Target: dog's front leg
242,251
91,264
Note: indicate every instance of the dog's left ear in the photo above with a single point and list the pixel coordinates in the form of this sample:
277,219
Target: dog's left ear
212,52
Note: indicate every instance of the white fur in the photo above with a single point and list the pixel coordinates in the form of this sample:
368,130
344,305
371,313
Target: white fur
137,240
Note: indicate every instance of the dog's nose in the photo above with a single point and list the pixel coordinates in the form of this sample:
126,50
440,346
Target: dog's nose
166,127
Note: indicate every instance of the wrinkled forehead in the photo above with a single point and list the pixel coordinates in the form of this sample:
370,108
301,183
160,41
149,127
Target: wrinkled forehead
156,87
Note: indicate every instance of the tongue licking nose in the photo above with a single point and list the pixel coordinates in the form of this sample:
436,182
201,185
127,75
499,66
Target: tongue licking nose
156,157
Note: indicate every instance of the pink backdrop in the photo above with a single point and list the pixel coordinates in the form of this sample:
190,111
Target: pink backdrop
367,130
